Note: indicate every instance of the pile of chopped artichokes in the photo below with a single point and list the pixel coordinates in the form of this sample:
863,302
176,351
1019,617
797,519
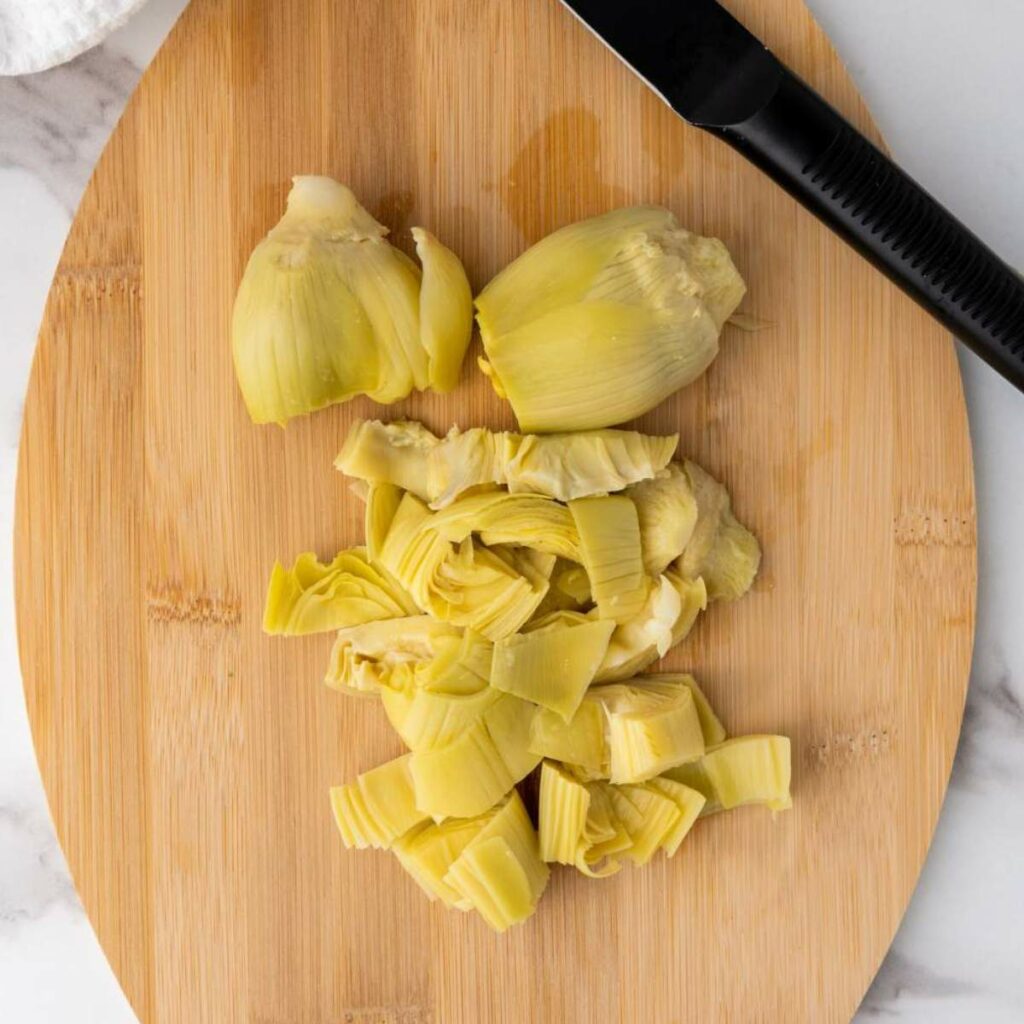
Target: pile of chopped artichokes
511,587
503,630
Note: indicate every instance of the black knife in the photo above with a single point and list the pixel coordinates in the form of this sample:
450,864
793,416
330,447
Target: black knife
717,76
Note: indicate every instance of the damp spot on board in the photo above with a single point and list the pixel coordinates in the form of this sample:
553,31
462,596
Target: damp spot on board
558,175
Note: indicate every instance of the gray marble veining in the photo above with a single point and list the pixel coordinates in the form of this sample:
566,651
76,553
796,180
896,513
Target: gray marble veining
54,124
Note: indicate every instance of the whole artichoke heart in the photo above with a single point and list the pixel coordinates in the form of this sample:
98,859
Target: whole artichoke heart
327,309
601,320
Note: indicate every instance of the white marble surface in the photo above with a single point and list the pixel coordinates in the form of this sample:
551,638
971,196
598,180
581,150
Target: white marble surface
944,79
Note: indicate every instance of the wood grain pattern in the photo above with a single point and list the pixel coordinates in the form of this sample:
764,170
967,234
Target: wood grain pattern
187,757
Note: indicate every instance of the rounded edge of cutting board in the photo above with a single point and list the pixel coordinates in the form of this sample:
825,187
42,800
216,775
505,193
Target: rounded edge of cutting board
143,529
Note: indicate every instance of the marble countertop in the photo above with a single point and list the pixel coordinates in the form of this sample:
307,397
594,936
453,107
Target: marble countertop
944,79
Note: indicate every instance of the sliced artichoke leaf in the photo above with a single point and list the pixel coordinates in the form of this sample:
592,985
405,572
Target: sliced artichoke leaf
380,655
551,665
429,850
378,807
564,803
312,597
610,543
750,770
527,520
647,636
559,466
499,873
389,453
667,512
721,550
446,310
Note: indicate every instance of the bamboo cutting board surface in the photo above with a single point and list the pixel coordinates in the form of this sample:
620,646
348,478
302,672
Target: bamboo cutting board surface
187,757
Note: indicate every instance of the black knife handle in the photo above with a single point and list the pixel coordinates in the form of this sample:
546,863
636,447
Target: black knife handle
813,152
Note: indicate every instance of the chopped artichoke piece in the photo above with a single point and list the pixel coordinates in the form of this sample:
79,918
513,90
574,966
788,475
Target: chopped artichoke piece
393,453
601,320
499,872
690,803
509,721
326,310
580,742
646,637
560,466
751,770
411,551
693,776
552,665
364,658
610,540
460,666
529,520
667,511
710,724
564,803
604,837
427,852
570,466
650,819
427,720
382,501
730,567
446,310
721,550
650,728
572,580
477,588
378,807
694,598
314,598
464,778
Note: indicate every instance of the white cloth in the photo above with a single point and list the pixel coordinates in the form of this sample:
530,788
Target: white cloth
37,34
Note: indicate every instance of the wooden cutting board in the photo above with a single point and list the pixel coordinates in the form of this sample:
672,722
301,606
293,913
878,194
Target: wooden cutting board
187,757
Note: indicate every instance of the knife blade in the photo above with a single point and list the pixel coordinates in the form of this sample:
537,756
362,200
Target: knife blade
718,76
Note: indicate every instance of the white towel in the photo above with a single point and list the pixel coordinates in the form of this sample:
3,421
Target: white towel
37,34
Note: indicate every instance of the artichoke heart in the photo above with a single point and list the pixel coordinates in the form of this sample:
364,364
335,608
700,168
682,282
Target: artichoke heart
598,322
315,598
552,665
610,542
721,549
378,807
327,309
499,873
